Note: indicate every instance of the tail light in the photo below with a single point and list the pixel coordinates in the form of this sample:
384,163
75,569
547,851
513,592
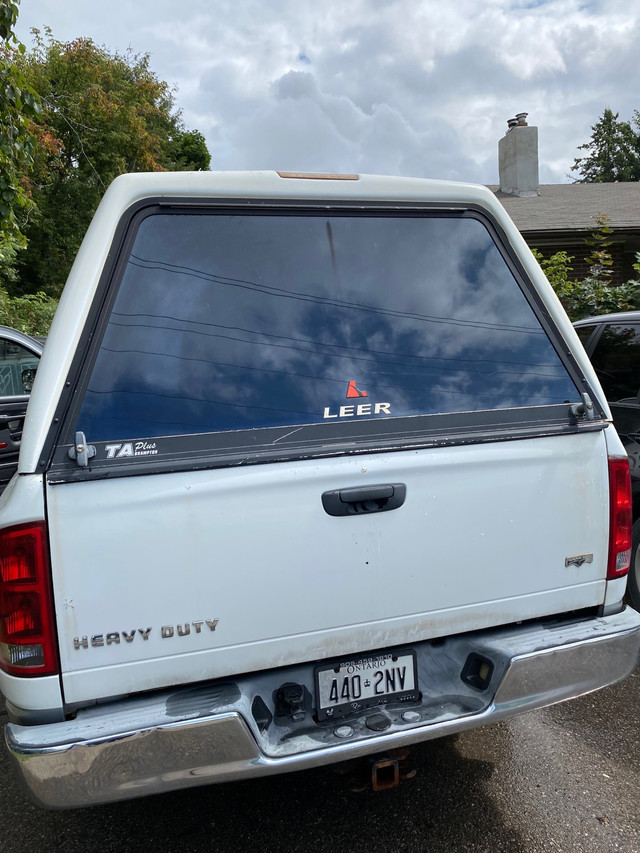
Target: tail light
620,518
27,635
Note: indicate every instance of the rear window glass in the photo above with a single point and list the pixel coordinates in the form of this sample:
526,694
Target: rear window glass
236,321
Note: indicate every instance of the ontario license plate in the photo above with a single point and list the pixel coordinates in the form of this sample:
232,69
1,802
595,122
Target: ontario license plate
348,686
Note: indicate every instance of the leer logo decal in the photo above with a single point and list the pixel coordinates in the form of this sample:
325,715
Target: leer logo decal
353,410
352,390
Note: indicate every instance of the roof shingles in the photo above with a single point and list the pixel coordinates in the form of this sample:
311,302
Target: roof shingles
575,207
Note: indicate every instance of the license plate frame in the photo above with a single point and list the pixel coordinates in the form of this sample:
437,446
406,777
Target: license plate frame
348,686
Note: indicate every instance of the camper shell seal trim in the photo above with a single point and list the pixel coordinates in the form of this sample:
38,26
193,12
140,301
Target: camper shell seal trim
222,449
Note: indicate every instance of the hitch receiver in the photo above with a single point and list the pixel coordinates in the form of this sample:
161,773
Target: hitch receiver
385,773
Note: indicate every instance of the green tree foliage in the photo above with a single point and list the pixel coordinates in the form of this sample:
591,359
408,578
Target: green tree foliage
557,269
613,151
189,152
593,295
103,114
600,259
19,105
32,313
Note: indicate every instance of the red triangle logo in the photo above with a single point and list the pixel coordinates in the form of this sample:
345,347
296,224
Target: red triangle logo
352,390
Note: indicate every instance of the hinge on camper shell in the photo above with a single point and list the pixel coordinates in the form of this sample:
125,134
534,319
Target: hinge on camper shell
585,408
81,451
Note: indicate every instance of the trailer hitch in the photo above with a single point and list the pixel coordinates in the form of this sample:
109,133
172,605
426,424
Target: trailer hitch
379,772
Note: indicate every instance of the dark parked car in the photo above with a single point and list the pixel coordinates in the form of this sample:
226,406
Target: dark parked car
19,358
612,342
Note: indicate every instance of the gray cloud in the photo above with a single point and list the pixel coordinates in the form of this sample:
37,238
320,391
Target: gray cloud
408,87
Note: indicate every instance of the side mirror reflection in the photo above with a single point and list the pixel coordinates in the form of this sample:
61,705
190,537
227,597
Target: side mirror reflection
27,376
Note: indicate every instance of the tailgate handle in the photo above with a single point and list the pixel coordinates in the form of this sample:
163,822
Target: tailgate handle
364,499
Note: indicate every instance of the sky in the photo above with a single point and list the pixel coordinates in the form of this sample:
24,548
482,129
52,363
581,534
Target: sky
420,88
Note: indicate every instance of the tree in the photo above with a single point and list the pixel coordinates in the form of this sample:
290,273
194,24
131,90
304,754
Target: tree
595,294
32,313
189,152
19,105
103,114
614,151
600,260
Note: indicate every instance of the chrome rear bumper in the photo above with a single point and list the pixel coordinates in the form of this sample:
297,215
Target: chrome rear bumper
211,733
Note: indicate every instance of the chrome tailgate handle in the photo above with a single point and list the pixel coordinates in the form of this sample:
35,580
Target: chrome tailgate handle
364,499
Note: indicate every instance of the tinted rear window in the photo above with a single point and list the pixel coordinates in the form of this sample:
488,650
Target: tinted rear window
235,321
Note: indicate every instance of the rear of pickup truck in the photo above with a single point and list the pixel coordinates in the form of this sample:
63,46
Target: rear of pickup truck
313,467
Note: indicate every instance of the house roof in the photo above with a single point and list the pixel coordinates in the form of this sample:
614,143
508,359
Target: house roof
574,207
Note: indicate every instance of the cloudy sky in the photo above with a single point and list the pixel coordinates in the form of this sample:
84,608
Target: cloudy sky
406,87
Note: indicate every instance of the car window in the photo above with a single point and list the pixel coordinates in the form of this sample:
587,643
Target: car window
616,359
243,321
584,333
18,367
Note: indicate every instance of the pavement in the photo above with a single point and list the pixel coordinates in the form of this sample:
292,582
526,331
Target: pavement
562,779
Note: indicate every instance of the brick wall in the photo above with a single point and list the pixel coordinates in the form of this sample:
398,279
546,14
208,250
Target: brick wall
621,270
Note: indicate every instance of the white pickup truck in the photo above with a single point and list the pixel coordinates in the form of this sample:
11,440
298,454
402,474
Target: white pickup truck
314,466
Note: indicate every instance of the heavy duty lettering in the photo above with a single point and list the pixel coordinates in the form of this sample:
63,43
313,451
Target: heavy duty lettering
114,638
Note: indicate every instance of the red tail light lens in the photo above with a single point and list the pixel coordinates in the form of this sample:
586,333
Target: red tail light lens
27,636
620,518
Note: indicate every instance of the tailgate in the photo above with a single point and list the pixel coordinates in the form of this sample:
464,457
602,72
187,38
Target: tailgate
189,576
